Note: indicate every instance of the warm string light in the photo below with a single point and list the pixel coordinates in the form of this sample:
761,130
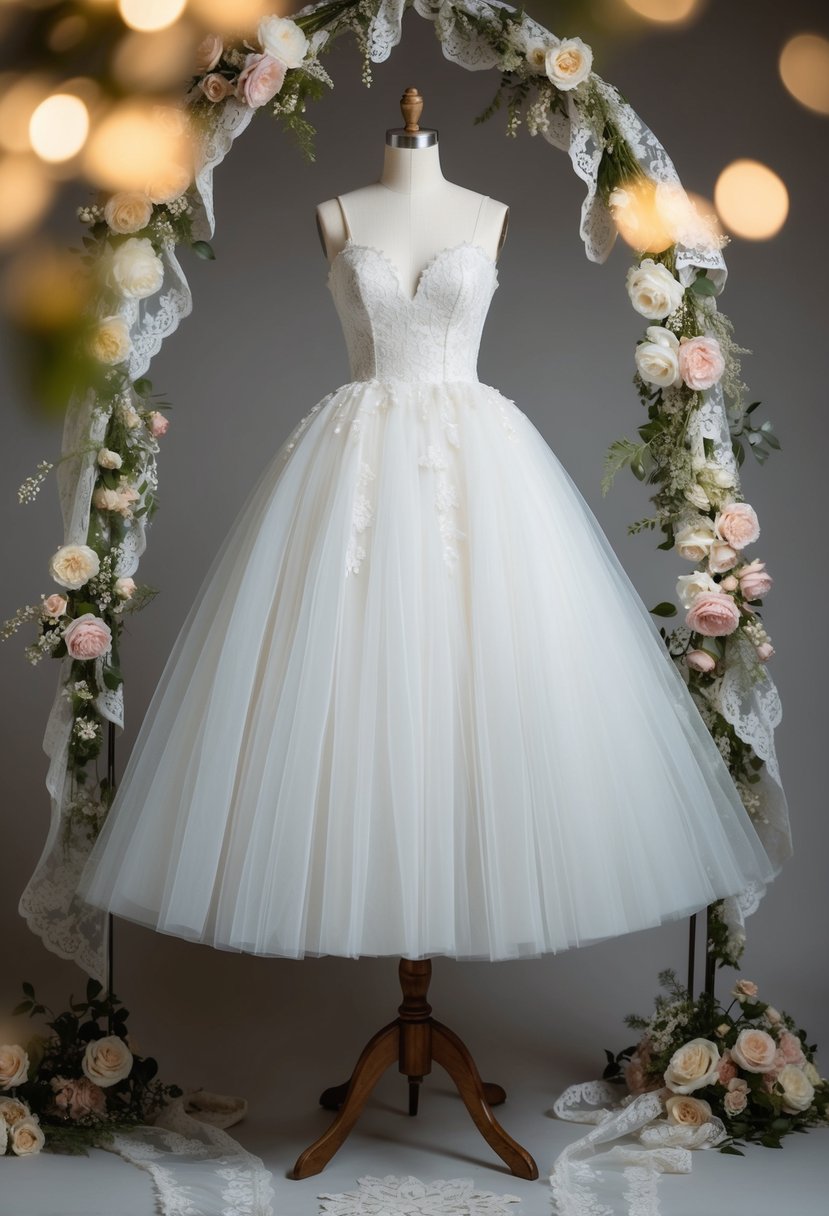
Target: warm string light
804,70
150,15
752,200
59,127
664,12
136,144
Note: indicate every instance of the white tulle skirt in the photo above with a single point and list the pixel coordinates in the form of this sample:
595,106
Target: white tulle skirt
418,708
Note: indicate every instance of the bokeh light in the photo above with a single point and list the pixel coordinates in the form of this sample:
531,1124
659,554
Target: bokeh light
664,11
134,144
19,98
639,219
804,70
219,15
59,127
752,200
147,15
154,62
44,288
26,192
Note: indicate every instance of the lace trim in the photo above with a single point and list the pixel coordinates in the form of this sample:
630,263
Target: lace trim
409,1196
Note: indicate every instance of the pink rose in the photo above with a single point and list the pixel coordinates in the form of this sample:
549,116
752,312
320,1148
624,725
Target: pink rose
744,988
54,605
764,651
727,1068
158,423
700,362
87,637
700,660
754,581
737,524
713,614
754,1050
736,1099
790,1048
215,86
208,53
78,1098
260,79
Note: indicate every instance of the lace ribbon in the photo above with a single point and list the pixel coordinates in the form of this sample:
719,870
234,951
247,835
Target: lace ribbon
624,1178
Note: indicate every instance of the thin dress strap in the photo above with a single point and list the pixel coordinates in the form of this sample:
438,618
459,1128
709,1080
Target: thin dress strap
484,198
345,217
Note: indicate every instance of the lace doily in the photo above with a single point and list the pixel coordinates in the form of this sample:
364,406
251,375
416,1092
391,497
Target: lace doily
393,1196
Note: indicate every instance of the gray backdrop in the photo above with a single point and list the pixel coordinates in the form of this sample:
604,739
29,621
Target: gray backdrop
264,345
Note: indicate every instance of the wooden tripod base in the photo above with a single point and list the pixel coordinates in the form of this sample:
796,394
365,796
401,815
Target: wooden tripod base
414,1040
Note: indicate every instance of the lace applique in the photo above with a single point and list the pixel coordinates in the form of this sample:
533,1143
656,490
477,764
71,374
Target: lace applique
410,1197
362,517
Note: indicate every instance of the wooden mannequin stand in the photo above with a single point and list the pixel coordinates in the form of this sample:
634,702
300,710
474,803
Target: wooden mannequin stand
415,1040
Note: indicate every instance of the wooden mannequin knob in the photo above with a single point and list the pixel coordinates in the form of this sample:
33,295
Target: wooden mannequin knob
411,105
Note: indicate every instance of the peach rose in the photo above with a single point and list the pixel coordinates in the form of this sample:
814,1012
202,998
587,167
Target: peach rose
215,86
713,614
110,340
754,1050
701,363
744,988
700,660
54,605
727,1069
569,63
736,1099
14,1066
208,53
128,211
755,582
729,583
737,524
260,79
78,1097
12,1110
107,1060
688,1112
108,459
87,637
74,565
125,588
27,1137
693,1066
158,423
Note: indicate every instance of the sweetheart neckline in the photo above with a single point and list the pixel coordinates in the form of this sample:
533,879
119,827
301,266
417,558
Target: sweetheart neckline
350,243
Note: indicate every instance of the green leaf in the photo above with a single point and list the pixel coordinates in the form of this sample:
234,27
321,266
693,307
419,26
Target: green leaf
143,386
112,677
83,607
703,286
665,608
93,987
28,989
203,250
23,1007
731,1151
753,406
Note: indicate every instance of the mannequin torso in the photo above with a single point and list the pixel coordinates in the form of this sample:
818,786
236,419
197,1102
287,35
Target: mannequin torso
412,213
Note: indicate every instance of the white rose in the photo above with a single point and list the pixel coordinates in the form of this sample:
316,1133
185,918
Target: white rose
73,565
689,586
27,1137
135,269
108,459
657,363
697,497
693,1066
811,1072
694,540
569,63
4,1137
14,1066
282,38
128,211
125,588
12,1110
107,1061
687,1112
130,416
653,290
798,1090
535,54
110,340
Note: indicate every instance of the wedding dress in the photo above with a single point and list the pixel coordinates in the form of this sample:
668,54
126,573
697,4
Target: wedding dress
417,706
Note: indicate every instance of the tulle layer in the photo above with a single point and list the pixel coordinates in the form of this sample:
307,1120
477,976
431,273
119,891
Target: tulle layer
418,708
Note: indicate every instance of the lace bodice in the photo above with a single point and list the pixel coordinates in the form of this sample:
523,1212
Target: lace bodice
432,336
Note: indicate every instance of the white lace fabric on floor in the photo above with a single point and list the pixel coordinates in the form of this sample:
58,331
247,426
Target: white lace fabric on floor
408,1196
589,1180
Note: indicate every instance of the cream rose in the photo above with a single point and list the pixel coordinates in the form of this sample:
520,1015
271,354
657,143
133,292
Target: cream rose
135,269
569,63
108,459
128,211
208,53
656,359
721,557
283,39
536,57
737,524
694,539
74,565
107,1061
27,1137
653,290
700,362
754,1050
125,588
743,989
798,1091
260,79
110,340
697,497
755,581
713,614
687,1112
693,1066
689,586
87,637
55,605
14,1066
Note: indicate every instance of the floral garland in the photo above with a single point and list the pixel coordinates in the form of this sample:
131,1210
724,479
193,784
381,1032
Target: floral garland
683,367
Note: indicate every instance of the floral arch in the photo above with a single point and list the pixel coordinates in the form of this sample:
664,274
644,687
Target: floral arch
687,378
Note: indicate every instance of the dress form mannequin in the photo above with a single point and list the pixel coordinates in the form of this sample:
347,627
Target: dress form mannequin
412,212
